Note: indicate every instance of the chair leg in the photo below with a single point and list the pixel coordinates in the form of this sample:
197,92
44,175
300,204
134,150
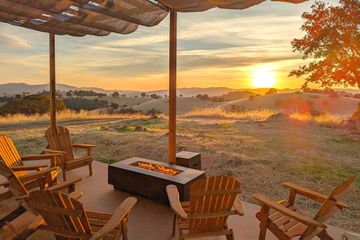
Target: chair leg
90,169
63,174
263,230
174,225
264,216
230,236
323,235
11,216
124,228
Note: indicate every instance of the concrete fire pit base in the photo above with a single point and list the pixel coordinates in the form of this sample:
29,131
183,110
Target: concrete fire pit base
125,176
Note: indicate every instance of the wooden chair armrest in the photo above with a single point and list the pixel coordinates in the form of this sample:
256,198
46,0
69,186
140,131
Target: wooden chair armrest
311,194
287,212
49,151
120,213
46,156
4,183
85,146
238,207
88,147
69,184
174,199
76,195
29,167
60,157
39,174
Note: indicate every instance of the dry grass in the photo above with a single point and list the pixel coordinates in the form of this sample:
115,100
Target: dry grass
260,155
327,120
66,115
254,115
323,119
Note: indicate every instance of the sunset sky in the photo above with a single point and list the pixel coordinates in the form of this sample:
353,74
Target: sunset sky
215,48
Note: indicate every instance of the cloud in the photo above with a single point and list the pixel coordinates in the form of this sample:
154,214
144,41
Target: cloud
214,48
14,41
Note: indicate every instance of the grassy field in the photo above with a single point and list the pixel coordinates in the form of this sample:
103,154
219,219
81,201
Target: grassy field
262,154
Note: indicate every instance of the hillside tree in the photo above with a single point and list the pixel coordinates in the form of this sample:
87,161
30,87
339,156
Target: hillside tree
331,45
115,94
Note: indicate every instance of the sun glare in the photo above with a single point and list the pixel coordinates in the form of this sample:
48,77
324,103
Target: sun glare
263,77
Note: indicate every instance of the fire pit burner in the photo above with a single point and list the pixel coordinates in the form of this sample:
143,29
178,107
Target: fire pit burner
157,167
149,178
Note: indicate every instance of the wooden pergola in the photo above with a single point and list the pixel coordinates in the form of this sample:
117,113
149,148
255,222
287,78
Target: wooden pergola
101,17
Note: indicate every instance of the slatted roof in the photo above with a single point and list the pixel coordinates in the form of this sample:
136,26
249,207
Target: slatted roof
102,17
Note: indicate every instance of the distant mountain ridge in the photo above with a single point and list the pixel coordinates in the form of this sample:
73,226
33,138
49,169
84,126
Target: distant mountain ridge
15,88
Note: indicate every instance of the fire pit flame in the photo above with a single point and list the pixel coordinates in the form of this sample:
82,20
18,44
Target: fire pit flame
158,168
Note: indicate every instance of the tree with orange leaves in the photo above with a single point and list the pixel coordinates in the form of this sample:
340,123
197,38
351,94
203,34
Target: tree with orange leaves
331,44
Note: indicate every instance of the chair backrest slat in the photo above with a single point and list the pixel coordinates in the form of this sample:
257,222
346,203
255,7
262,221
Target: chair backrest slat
59,139
329,208
64,216
208,197
9,155
15,185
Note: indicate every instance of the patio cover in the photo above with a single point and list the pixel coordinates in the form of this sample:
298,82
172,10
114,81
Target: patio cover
101,17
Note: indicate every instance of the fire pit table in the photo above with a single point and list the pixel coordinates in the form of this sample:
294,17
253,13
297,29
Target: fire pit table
149,178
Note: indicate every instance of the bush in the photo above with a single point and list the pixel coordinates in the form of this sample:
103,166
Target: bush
203,97
153,112
295,104
114,105
84,93
31,104
252,97
155,96
5,99
78,104
129,110
356,114
237,109
271,91
115,94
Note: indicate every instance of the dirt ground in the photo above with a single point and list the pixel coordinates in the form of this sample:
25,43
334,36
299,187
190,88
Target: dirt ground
261,155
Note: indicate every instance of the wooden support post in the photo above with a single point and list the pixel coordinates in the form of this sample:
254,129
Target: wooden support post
52,80
172,87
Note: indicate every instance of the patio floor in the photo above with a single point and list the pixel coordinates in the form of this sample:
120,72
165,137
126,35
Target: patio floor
148,220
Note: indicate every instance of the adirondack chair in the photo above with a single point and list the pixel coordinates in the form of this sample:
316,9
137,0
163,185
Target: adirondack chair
11,158
60,142
211,202
66,217
284,220
20,191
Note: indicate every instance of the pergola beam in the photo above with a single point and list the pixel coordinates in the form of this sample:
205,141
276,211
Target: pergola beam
52,80
172,87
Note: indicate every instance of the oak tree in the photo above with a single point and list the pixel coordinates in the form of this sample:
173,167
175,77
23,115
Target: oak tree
331,45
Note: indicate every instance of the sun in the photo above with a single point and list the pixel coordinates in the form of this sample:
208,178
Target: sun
263,77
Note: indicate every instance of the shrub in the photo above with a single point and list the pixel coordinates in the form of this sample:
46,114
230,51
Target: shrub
85,93
203,97
115,94
129,110
356,114
114,105
153,112
78,104
32,104
271,91
237,109
155,96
